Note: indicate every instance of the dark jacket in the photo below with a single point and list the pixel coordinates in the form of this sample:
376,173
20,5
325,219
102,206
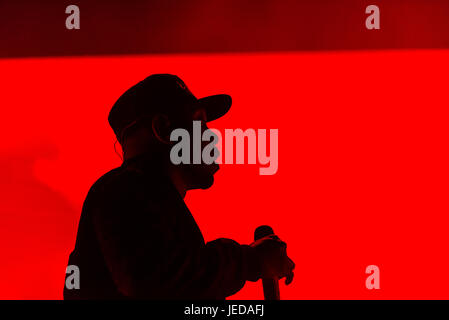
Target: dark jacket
137,239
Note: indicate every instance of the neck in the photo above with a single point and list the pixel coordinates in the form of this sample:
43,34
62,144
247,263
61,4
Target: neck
174,173
178,182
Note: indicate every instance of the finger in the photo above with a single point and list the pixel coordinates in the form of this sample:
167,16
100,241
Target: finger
280,243
287,268
290,264
276,242
289,278
283,245
273,237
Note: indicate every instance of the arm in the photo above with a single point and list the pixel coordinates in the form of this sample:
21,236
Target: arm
145,260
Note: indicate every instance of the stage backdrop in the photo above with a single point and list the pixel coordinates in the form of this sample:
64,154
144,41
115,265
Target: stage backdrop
363,163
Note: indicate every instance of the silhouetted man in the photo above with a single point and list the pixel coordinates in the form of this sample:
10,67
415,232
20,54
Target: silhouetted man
136,237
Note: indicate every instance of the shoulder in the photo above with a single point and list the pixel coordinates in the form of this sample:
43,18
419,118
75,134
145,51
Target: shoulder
124,186
114,186
118,178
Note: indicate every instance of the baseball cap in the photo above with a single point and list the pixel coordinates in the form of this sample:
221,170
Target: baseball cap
161,93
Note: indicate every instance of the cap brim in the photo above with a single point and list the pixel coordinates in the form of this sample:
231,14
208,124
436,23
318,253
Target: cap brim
216,106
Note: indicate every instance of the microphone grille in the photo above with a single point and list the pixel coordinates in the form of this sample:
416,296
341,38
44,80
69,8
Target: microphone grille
262,231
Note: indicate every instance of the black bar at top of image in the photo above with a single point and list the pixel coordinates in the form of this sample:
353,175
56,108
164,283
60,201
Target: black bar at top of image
37,28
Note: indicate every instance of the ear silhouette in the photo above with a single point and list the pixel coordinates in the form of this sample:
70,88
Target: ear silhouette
160,124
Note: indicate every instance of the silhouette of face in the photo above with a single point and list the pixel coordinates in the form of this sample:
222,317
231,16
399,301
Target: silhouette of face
199,176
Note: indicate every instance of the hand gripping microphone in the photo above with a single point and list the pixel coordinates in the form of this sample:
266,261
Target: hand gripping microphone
271,285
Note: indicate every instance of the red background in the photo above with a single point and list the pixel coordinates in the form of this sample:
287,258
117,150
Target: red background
362,173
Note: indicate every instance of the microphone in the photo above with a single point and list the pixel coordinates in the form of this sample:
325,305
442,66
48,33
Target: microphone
271,285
